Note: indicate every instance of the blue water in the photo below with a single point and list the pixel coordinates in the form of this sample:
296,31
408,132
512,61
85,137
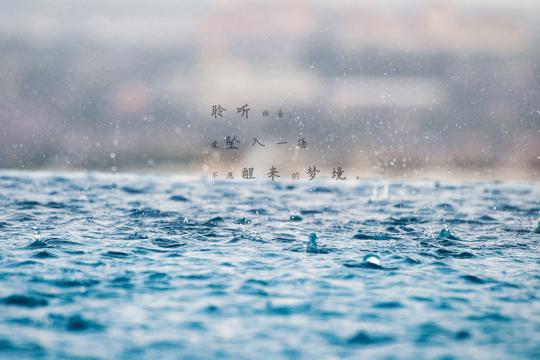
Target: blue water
103,266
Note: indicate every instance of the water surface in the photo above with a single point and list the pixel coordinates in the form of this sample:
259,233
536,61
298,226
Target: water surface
133,266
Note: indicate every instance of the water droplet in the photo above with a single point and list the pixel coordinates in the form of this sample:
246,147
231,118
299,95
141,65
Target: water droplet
295,217
312,244
446,233
372,259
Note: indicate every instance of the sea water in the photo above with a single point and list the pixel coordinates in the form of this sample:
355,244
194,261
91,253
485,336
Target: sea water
158,267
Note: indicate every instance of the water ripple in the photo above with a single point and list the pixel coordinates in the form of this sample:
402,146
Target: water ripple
101,266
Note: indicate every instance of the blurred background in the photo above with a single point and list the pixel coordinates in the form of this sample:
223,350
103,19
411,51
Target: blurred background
404,88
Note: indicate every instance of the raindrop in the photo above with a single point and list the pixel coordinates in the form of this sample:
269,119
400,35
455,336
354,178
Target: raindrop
372,259
312,244
446,233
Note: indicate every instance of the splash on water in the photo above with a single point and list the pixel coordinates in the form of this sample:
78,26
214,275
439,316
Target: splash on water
372,259
312,244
